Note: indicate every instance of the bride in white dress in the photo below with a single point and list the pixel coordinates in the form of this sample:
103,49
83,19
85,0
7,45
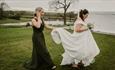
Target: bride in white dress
80,46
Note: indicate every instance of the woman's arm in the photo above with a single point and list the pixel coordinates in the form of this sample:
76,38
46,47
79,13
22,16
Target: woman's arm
49,27
37,23
80,28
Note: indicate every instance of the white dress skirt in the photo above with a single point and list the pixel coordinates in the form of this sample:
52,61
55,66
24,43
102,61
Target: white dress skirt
78,46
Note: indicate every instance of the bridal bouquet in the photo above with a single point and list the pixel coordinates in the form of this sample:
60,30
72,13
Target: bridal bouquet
90,25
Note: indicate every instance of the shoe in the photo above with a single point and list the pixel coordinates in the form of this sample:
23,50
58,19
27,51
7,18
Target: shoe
54,67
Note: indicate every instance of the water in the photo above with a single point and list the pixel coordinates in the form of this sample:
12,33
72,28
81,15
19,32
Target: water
103,22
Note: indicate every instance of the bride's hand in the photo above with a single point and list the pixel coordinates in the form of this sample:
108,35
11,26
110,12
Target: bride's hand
84,27
81,28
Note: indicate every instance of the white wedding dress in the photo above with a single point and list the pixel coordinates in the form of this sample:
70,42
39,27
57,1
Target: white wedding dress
77,46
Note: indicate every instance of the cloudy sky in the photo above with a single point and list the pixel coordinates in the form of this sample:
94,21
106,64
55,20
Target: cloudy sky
92,5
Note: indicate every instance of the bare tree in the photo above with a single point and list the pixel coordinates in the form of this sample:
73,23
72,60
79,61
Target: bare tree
61,4
3,7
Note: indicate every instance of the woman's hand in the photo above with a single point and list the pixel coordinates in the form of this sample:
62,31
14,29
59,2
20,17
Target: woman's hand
36,21
49,27
81,28
38,14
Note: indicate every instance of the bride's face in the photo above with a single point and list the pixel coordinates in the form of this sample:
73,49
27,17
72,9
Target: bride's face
85,16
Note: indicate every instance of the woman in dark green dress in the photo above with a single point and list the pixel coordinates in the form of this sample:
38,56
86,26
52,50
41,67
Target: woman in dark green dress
40,54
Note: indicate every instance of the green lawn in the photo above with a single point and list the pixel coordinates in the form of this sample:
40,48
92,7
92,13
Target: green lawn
16,46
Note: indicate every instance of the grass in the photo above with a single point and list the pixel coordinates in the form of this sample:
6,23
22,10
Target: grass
6,20
16,46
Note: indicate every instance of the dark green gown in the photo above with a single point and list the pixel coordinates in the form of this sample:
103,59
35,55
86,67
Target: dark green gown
40,54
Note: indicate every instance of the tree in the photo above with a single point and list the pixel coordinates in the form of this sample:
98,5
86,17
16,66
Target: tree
61,4
3,6
71,15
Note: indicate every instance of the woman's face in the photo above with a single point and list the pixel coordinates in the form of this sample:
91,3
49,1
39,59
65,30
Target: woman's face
40,13
85,16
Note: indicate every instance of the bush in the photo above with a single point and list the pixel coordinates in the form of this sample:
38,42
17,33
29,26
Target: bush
17,17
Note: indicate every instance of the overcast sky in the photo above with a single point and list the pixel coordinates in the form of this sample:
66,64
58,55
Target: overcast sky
92,5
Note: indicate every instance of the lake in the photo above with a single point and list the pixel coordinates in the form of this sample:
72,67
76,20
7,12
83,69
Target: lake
103,21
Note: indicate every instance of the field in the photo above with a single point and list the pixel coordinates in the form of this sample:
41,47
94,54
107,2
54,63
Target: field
16,48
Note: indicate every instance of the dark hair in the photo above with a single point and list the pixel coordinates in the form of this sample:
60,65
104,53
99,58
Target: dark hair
35,15
83,12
